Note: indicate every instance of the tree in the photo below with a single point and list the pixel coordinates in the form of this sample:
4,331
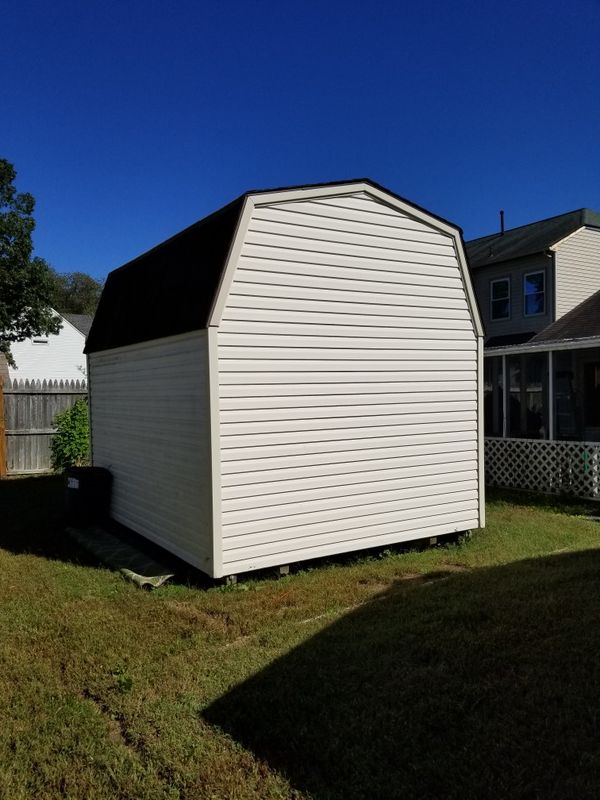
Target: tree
75,293
25,281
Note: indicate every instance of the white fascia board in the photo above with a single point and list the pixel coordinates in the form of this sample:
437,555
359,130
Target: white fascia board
216,312
216,565
468,286
480,434
544,347
292,195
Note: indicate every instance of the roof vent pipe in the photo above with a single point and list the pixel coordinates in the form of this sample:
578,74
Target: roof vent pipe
501,222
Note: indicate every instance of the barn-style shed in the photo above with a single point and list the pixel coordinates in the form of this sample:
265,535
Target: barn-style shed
297,375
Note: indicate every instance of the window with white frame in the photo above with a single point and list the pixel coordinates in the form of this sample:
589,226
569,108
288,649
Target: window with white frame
500,299
534,293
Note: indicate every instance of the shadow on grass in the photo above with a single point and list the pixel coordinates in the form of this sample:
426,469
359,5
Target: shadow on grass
33,521
32,517
481,685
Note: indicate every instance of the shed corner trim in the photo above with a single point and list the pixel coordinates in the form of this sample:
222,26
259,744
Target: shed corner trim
216,312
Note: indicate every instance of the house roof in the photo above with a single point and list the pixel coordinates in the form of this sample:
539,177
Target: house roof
581,322
529,239
509,339
83,322
170,289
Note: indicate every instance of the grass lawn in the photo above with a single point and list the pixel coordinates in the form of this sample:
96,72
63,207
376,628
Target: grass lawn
466,671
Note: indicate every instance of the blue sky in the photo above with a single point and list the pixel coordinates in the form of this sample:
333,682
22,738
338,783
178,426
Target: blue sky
130,120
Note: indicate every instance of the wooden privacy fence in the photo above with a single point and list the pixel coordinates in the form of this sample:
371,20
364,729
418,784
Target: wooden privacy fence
27,412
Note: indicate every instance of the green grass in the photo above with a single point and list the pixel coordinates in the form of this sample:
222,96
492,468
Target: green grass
466,671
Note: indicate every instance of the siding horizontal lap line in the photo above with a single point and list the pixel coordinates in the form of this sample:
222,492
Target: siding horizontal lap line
380,536
262,277
187,547
331,307
358,297
430,265
308,499
375,444
235,481
236,470
177,523
342,344
325,320
393,273
181,476
301,355
328,222
246,539
372,207
259,234
344,390
257,490
283,518
300,366
352,214
335,329
244,444
334,424
249,379
342,401
344,412
362,251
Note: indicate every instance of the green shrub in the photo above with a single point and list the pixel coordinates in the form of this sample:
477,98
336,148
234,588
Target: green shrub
71,442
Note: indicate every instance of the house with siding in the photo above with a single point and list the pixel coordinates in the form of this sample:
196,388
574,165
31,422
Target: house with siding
299,375
538,289
54,357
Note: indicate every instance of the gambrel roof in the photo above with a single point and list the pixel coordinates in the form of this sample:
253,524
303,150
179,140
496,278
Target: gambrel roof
173,288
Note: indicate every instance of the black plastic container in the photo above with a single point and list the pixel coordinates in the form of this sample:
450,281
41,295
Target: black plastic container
87,494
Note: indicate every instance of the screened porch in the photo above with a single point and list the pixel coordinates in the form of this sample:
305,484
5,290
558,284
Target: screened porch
542,417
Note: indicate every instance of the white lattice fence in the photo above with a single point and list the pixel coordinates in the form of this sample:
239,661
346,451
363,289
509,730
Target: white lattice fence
541,466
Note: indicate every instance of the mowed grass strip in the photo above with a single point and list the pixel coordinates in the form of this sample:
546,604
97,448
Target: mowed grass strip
467,671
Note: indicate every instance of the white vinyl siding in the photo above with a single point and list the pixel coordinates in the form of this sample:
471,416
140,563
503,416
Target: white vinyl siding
150,427
577,269
347,365
60,358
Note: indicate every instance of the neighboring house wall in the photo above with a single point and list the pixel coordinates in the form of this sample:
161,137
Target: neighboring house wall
577,269
347,364
516,271
59,358
150,427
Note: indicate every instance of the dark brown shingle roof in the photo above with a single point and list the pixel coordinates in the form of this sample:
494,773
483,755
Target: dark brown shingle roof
528,239
83,322
581,322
